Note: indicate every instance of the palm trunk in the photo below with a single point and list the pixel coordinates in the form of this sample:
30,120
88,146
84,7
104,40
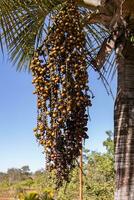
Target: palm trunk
124,126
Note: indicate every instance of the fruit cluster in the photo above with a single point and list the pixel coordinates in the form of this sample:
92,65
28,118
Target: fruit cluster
61,83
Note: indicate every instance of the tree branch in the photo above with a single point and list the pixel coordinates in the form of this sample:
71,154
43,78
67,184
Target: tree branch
103,53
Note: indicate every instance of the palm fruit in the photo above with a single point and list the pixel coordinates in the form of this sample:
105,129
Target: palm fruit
60,77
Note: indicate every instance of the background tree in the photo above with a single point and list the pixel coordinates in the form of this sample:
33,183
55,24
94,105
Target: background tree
3,177
14,175
25,171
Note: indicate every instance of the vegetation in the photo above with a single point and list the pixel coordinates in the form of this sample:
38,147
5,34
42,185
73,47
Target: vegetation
98,173
109,28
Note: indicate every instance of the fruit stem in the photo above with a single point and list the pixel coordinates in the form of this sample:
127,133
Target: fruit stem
81,174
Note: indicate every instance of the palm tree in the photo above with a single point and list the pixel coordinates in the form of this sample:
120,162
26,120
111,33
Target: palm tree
122,26
110,27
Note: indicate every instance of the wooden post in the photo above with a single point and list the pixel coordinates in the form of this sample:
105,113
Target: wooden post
81,174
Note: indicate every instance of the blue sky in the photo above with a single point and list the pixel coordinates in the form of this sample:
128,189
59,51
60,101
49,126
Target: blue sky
18,146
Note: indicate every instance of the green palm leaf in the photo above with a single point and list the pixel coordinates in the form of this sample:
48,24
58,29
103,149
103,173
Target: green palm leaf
25,24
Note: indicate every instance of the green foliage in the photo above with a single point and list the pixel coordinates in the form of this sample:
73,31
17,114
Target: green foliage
24,184
31,196
46,196
70,190
109,144
98,176
3,180
24,25
99,180
34,196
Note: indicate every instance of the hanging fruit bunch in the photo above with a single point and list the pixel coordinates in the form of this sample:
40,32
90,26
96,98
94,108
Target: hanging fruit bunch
61,84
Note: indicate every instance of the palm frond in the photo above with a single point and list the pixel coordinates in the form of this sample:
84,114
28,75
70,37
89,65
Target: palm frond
23,26
97,43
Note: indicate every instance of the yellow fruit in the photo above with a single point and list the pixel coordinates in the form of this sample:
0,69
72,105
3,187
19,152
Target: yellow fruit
35,129
47,113
60,120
